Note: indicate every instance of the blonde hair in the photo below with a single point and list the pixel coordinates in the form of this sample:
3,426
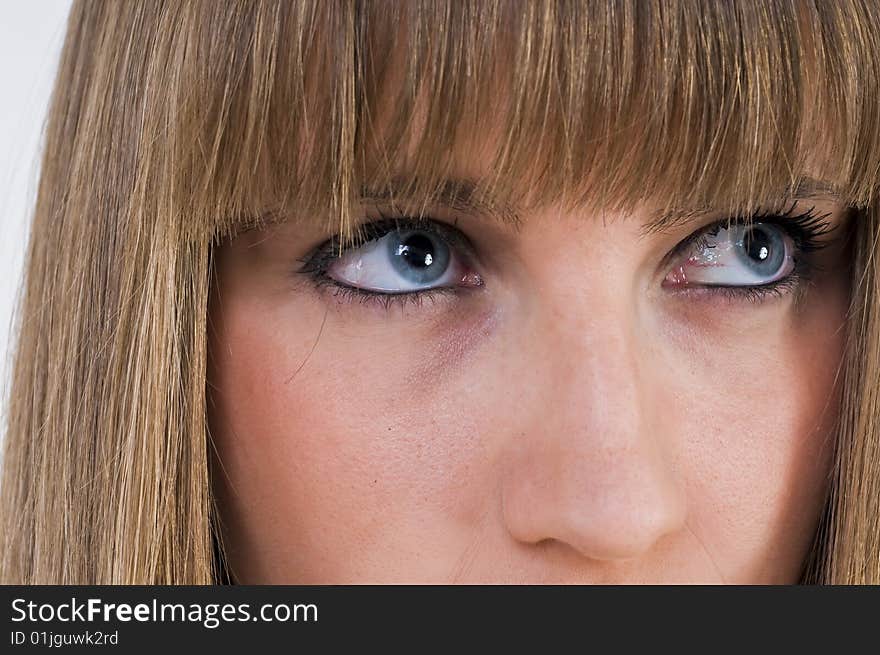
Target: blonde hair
174,124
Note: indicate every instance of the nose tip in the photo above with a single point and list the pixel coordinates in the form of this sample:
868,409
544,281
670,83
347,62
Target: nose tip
620,530
615,514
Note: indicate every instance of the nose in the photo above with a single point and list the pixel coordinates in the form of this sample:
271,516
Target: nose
589,466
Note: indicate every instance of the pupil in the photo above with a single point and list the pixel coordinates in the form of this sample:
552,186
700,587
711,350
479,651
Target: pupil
417,250
758,245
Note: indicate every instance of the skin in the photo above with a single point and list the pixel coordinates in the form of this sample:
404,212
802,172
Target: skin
572,420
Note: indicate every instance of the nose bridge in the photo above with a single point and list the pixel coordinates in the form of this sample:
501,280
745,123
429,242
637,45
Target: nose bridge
590,346
589,469
593,355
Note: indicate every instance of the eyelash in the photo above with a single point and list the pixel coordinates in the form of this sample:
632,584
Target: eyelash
805,229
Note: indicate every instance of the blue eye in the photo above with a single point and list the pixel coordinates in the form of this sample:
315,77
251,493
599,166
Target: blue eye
736,256
402,256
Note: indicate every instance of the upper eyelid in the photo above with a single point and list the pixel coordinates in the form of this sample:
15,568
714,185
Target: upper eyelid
448,231
677,220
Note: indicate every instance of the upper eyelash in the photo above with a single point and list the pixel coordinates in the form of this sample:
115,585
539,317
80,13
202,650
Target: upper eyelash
335,247
804,228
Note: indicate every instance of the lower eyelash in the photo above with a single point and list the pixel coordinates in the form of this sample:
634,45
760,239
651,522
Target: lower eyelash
793,283
760,293
349,294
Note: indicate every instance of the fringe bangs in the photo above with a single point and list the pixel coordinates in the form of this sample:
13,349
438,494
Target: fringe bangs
292,110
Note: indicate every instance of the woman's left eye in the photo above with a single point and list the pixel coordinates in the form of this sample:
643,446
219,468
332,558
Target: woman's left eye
399,257
738,255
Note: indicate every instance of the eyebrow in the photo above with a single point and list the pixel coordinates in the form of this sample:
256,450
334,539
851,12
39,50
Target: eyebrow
465,195
459,194
805,188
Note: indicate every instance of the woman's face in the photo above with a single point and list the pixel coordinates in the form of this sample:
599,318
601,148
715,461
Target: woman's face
578,398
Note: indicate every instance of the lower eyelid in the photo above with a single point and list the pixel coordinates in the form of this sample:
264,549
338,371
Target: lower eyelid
787,286
420,300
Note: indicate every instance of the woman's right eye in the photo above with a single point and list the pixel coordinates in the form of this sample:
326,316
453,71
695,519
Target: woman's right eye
400,257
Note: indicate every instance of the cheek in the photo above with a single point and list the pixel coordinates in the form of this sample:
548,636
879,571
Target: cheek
349,428
756,413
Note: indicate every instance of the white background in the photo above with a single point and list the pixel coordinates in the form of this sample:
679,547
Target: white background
31,35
